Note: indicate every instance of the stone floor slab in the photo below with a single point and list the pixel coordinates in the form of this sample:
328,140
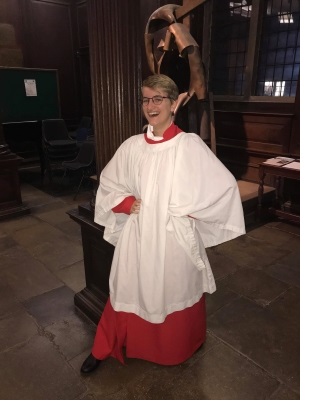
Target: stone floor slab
73,276
291,260
221,265
71,229
284,393
137,377
25,275
289,227
53,205
52,306
22,222
37,234
255,285
279,238
265,335
16,328
8,302
37,202
72,335
283,272
56,216
6,242
36,371
111,376
221,374
219,298
59,253
246,251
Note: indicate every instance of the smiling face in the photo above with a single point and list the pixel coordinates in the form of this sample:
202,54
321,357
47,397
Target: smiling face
158,115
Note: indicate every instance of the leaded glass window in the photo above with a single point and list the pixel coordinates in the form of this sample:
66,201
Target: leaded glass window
255,48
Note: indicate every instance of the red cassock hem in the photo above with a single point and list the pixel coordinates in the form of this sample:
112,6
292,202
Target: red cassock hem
169,343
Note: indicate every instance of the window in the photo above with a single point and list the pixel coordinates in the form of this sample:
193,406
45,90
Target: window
255,48
229,44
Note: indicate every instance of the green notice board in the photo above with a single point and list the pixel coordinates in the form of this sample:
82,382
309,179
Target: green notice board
28,94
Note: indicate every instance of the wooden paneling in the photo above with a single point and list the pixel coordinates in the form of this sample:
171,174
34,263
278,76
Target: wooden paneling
82,25
263,133
51,46
11,34
45,34
243,164
244,139
11,12
115,72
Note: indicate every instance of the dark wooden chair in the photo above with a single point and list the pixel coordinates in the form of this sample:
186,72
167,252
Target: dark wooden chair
83,162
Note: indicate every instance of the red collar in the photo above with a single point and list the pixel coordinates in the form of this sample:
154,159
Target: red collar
170,133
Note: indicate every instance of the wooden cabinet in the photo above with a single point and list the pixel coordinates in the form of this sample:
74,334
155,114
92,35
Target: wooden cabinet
98,256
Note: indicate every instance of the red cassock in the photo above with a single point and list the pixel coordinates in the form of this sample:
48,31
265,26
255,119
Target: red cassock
169,343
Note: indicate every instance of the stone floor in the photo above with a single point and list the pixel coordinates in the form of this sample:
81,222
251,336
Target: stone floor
252,350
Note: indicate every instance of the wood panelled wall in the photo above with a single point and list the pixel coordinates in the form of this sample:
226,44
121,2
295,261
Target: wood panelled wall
47,34
247,133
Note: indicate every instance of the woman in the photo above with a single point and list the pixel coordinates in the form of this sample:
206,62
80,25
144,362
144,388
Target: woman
162,199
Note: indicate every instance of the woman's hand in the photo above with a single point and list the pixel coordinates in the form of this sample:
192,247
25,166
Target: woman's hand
135,208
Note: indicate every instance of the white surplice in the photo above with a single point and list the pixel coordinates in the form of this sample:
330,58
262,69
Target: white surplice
189,201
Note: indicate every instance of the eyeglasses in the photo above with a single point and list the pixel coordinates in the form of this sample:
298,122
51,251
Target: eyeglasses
157,100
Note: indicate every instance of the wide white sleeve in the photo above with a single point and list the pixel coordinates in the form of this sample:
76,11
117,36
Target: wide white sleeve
204,189
114,186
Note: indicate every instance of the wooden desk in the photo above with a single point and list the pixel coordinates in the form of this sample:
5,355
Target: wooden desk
25,139
291,171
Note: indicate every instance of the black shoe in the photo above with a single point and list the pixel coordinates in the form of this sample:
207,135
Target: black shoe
90,364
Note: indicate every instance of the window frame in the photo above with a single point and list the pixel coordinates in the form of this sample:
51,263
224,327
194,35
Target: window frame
254,39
